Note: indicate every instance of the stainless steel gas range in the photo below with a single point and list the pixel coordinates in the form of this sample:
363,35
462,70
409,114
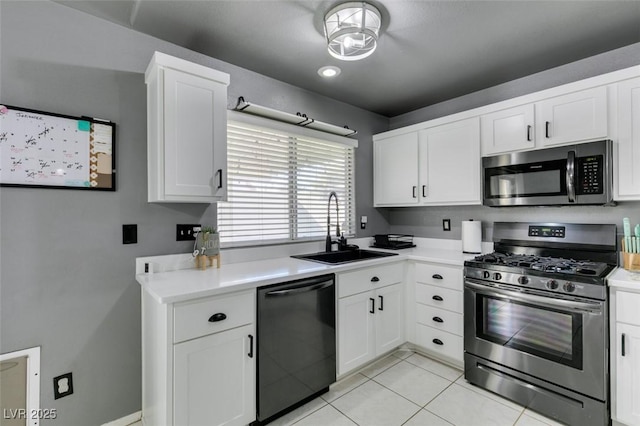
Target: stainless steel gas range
536,318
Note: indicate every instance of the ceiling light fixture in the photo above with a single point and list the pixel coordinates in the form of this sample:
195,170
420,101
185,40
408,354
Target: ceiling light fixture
329,71
352,30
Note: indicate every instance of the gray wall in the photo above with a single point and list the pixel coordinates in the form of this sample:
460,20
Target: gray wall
590,67
67,282
427,221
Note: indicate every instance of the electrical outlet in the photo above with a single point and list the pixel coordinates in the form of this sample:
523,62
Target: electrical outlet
185,232
62,386
446,224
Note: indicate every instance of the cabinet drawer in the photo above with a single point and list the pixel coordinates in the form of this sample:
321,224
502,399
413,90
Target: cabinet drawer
443,276
440,342
440,319
355,282
628,307
439,297
191,319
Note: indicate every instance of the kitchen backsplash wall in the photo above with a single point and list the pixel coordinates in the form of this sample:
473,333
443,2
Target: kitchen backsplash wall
67,281
427,221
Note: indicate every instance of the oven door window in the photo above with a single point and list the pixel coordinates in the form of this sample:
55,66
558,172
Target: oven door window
544,332
546,178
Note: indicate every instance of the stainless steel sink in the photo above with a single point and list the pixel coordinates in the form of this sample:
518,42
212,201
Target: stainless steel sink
345,256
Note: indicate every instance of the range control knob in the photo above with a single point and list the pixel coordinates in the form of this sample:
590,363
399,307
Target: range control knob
569,287
523,280
497,276
486,275
552,284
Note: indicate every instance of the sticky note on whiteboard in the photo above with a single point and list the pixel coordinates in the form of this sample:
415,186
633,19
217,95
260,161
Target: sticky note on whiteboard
84,126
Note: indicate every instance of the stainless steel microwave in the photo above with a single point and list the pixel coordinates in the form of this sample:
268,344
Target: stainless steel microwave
566,175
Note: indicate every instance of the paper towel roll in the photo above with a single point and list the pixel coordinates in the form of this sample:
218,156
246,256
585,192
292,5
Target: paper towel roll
471,236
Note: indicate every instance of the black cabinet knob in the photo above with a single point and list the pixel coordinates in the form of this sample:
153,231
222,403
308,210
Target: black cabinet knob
438,319
438,342
438,298
375,279
436,276
217,317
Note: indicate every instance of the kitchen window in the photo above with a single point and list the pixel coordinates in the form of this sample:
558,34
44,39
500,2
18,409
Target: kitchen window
279,180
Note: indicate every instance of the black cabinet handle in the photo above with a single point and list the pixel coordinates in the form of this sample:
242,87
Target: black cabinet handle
424,190
219,174
529,133
250,346
623,345
438,319
436,276
438,298
217,317
375,279
373,305
438,342
414,191
381,308
546,129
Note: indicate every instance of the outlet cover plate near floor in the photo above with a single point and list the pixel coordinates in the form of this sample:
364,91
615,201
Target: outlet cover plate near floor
62,385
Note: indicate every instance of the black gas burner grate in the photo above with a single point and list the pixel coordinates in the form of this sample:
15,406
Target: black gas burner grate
545,264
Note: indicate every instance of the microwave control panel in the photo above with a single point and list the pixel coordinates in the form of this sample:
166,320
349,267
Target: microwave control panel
590,175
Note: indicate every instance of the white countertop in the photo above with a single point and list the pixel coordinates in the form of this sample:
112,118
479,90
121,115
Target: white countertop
185,284
621,279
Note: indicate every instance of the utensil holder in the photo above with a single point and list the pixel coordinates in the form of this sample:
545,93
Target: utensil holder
630,261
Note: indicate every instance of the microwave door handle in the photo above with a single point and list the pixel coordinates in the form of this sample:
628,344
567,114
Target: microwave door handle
571,176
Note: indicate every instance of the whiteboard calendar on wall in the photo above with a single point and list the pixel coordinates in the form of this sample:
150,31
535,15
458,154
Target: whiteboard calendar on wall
43,149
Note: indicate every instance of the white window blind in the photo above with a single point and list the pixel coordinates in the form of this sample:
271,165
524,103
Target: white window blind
279,184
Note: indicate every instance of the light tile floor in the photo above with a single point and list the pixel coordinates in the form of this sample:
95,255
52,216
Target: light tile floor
406,388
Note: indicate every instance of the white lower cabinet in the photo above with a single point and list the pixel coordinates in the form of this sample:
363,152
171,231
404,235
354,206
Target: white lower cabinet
198,361
625,348
370,314
628,374
438,310
214,379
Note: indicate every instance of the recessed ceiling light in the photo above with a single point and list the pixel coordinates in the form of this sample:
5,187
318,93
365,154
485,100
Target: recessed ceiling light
329,71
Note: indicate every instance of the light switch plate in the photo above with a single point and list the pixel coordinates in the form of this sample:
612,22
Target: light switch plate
446,224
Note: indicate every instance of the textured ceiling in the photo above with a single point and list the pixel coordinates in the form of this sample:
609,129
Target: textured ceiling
428,51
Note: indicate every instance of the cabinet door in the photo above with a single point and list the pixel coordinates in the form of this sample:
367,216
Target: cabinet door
508,130
395,170
356,345
628,374
450,163
389,318
214,379
572,118
194,138
629,139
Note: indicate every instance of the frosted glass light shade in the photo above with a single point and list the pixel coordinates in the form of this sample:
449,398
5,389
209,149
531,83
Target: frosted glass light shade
352,30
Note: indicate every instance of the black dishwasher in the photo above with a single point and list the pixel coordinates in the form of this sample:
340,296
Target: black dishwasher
296,344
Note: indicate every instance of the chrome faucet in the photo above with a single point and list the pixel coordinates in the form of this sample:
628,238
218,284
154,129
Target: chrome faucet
329,242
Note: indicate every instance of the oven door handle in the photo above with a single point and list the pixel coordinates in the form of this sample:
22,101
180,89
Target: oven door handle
549,302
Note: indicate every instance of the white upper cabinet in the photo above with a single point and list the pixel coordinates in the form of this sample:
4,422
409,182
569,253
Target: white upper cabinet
628,170
186,131
395,170
450,164
435,166
508,130
574,117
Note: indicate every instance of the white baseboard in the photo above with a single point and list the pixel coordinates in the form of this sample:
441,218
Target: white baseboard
126,420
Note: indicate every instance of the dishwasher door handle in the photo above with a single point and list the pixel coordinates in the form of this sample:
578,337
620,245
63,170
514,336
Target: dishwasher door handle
298,290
